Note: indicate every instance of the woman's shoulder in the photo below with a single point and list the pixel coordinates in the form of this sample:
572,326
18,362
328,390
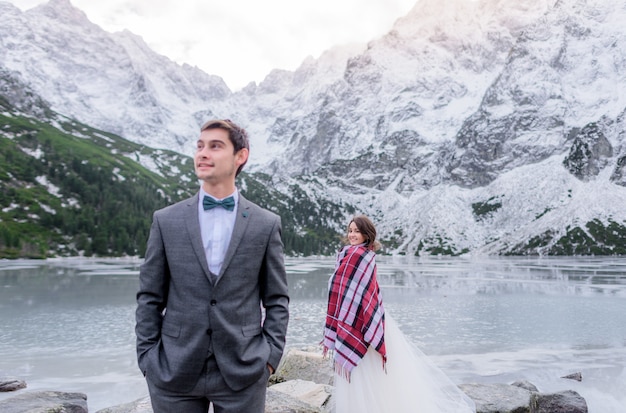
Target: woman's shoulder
356,250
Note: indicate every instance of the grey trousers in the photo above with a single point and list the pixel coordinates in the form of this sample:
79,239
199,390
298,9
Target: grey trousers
211,389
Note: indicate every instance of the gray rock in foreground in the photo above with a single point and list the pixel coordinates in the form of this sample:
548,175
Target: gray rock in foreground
498,398
279,402
304,365
11,384
525,384
574,376
309,392
504,398
562,402
45,402
302,384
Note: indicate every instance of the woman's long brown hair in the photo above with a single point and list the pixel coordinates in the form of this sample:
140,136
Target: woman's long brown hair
367,228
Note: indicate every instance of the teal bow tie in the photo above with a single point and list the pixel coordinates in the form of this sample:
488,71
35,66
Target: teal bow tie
210,203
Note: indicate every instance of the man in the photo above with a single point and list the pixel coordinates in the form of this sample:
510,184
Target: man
212,262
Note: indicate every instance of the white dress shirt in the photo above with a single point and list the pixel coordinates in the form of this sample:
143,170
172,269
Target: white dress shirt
216,227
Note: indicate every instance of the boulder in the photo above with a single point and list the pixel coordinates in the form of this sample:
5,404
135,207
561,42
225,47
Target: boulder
279,402
525,384
45,402
306,391
498,398
303,382
567,401
10,384
574,376
304,365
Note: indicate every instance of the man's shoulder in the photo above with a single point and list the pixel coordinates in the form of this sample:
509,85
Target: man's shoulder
259,211
176,207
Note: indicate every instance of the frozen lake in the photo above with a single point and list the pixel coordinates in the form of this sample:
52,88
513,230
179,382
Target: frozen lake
69,324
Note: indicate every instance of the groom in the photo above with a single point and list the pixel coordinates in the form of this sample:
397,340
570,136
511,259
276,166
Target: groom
213,263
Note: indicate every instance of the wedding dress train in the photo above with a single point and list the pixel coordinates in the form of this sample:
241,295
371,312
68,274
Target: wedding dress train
412,382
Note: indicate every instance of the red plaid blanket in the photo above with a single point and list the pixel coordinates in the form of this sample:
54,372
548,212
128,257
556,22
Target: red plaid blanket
355,315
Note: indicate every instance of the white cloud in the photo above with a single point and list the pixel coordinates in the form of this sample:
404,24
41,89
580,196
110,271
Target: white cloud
243,40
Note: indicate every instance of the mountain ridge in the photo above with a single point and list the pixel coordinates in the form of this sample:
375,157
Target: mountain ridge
490,127
67,189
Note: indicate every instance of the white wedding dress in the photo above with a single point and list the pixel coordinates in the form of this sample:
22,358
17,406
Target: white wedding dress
412,383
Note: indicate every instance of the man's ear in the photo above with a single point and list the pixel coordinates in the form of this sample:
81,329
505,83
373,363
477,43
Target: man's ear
241,156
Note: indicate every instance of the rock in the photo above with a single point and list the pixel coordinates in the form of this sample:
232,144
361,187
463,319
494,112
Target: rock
589,153
45,402
307,391
567,401
279,402
304,365
574,376
498,398
524,384
10,384
304,385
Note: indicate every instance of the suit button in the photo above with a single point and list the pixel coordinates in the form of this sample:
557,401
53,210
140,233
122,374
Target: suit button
213,302
209,332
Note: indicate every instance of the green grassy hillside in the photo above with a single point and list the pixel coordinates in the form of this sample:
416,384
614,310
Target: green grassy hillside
67,189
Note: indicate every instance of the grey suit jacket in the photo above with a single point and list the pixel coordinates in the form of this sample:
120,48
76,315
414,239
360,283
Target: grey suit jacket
182,312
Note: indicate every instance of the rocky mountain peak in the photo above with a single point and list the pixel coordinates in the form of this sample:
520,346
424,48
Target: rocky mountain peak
486,126
60,11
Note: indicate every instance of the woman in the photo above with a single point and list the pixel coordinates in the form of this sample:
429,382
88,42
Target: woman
376,368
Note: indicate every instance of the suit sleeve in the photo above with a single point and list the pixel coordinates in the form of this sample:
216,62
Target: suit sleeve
275,295
152,294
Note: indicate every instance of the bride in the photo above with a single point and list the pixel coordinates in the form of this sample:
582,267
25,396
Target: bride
376,368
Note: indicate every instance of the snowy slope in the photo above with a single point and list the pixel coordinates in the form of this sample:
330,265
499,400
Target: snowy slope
487,126
111,81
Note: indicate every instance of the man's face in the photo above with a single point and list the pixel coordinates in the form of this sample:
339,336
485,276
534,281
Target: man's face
215,161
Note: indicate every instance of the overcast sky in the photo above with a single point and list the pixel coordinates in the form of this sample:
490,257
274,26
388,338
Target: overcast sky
242,40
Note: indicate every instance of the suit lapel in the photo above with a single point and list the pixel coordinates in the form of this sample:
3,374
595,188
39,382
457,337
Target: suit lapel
193,228
241,223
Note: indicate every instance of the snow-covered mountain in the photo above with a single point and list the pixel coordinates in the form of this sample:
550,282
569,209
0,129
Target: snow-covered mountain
112,81
487,126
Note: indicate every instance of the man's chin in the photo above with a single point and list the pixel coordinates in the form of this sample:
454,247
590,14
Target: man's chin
204,175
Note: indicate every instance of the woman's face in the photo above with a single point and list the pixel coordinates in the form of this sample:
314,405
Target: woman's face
354,235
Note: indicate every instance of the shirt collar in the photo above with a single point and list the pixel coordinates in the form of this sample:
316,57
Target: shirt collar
203,193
